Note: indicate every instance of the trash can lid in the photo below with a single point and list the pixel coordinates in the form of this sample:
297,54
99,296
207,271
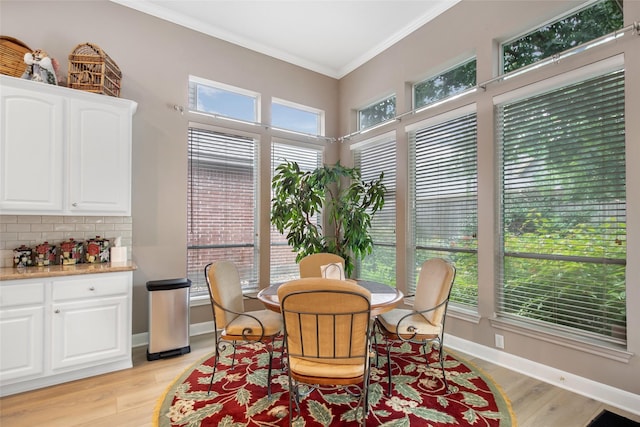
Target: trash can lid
168,284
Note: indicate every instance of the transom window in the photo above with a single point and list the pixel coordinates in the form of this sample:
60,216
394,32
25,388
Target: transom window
446,84
297,118
376,113
580,27
218,99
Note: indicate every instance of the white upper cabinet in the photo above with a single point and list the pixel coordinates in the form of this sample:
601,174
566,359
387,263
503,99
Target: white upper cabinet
63,151
32,150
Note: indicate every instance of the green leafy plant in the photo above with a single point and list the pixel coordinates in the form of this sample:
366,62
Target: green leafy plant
339,193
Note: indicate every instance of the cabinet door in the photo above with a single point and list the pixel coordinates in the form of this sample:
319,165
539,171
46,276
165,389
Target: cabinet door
90,331
21,343
100,153
31,150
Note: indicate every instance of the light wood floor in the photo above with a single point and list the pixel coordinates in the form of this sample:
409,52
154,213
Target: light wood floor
128,398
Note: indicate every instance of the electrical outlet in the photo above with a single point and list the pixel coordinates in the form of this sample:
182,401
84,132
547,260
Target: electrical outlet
499,341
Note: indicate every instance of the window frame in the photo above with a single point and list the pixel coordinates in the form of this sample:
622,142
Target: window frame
251,283
412,263
568,78
387,140
320,161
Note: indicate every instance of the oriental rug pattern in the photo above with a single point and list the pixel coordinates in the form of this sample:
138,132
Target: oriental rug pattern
239,395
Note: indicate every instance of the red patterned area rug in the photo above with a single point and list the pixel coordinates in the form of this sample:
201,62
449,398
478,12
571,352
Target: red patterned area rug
239,395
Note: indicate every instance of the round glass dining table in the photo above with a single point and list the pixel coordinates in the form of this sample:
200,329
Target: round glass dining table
383,297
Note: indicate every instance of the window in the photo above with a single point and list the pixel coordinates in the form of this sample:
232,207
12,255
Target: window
283,259
587,24
377,113
373,157
563,210
223,100
444,198
449,83
297,118
221,203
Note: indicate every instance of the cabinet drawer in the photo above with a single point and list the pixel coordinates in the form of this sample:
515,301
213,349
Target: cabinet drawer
21,294
90,287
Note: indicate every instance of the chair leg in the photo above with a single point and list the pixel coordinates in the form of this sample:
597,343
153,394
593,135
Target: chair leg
441,360
215,365
375,339
233,359
388,368
270,350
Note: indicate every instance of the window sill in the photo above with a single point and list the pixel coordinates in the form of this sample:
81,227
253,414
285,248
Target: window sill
198,300
595,347
203,299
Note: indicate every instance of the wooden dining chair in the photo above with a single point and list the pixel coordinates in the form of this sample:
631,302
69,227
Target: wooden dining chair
326,324
322,265
236,326
424,324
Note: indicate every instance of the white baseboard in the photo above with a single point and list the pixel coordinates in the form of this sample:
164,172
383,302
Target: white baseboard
139,340
613,396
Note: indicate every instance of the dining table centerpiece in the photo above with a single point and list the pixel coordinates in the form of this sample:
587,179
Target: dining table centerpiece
328,209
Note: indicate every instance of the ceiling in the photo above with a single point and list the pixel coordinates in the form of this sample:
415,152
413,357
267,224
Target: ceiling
331,37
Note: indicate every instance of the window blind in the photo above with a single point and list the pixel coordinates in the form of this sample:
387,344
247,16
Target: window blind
371,159
283,259
443,172
563,210
221,203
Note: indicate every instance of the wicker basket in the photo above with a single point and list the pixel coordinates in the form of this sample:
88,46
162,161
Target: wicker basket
92,70
12,56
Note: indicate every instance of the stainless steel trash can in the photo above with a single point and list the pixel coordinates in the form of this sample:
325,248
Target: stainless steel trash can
168,318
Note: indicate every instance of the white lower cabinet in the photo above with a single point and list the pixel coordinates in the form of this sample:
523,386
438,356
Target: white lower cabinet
21,331
80,327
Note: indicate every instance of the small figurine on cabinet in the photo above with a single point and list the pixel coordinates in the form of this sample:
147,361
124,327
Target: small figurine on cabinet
71,252
22,257
40,67
45,254
97,250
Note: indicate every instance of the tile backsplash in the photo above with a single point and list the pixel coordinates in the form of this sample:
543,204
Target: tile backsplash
31,230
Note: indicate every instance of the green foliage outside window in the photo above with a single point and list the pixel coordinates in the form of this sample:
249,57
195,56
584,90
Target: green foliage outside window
551,289
377,113
587,24
445,85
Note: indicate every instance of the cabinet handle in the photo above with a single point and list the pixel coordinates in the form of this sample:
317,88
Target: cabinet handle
57,311
92,288
75,205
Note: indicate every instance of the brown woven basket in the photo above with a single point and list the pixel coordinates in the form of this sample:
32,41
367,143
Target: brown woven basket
12,56
92,70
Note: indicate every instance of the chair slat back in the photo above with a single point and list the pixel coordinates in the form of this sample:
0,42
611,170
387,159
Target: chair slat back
310,266
326,319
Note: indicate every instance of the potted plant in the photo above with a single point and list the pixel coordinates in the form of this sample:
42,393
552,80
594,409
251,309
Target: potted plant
347,202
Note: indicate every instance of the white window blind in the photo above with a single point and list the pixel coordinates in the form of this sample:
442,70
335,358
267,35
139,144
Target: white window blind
283,259
221,205
444,202
373,158
563,210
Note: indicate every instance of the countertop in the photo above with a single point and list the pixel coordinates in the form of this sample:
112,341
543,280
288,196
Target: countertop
64,270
